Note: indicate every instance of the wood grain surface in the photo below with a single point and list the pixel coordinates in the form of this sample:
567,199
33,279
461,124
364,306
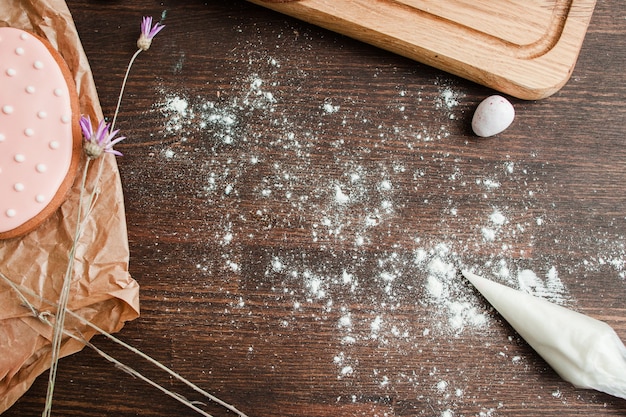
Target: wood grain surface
299,204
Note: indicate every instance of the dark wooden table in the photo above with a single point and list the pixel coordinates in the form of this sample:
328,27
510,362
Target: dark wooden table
299,204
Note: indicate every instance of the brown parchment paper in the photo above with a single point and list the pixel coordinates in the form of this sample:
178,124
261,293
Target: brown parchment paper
102,290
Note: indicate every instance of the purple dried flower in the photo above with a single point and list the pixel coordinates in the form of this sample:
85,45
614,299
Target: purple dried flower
99,141
148,32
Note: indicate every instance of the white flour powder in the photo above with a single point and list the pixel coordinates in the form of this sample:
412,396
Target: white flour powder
356,207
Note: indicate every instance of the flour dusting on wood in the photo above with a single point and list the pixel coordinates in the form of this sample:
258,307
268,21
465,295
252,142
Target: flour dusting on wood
341,203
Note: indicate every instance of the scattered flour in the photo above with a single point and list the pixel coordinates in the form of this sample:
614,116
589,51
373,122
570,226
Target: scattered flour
355,211
330,108
550,288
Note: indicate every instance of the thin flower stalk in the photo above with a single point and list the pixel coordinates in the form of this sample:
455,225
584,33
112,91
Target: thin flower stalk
59,324
44,318
148,32
21,291
140,376
119,98
96,144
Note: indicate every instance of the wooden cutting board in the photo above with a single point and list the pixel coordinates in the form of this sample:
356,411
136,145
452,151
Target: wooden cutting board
525,48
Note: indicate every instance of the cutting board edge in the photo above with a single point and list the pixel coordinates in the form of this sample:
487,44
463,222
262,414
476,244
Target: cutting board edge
528,79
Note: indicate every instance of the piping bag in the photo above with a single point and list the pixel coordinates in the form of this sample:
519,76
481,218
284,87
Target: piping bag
584,351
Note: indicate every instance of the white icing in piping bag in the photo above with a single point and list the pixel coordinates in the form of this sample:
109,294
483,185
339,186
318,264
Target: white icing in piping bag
582,350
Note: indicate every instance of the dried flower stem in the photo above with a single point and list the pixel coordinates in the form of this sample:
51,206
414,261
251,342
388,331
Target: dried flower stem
119,98
138,375
62,306
58,328
22,290
44,318
94,193
80,223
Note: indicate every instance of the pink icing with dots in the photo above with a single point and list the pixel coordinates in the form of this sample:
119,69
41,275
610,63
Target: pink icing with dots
36,135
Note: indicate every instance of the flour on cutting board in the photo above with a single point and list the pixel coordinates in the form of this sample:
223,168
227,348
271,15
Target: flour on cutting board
353,209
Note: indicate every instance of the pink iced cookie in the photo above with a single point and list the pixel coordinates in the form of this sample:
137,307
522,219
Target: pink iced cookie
40,138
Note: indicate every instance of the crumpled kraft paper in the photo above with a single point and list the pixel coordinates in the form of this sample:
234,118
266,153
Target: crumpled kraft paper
102,290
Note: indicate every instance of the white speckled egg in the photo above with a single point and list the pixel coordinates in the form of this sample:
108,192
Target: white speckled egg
492,116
